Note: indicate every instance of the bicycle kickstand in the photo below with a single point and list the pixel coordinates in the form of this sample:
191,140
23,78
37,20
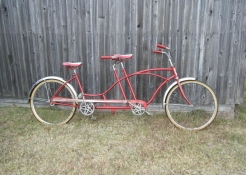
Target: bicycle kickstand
150,114
93,117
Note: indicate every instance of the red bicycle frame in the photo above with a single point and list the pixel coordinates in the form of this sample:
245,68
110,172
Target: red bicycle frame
103,100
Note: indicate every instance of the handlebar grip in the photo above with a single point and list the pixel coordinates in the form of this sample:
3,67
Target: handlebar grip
106,57
158,51
161,46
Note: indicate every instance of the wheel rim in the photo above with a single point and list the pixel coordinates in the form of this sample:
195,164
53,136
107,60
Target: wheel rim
47,112
196,117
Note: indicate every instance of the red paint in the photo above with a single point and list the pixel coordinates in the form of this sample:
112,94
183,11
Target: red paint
103,102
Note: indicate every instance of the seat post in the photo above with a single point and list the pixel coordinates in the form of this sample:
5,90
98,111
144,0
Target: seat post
122,66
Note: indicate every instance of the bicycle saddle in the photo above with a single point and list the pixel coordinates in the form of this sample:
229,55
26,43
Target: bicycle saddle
117,57
71,66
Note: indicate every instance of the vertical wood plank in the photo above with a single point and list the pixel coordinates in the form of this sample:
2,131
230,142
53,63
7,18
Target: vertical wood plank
207,38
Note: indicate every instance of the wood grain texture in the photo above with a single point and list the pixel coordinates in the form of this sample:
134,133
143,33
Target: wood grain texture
207,38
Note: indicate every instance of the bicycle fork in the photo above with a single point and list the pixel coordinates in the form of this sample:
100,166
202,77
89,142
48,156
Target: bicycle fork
180,86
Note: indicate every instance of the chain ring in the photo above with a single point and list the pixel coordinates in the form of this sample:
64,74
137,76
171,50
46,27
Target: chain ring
137,109
87,108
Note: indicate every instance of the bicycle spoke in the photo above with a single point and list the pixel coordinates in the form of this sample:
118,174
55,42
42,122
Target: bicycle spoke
51,113
196,116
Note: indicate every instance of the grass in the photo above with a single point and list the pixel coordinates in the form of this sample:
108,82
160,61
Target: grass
121,144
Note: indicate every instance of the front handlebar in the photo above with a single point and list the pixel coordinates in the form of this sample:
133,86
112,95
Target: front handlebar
158,51
162,47
168,53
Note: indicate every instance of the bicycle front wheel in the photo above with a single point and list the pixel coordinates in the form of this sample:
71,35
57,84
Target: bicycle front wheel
199,114
44,110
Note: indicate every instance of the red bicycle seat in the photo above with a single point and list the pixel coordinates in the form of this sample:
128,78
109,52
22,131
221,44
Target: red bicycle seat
71,66
118,57
128,56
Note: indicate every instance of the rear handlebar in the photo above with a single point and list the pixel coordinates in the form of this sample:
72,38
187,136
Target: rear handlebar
168,53
106,57
161,46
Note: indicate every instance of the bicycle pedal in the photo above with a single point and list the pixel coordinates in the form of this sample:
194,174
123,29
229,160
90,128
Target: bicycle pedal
93,117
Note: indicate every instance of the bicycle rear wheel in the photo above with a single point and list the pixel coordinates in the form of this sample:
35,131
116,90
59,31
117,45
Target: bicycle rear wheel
49,113
199,114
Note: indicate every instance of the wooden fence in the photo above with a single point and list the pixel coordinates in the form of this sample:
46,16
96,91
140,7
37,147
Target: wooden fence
207,38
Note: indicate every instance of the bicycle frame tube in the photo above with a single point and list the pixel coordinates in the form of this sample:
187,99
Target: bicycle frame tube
58,91
74,77
118,82
128,82
142,72
148,72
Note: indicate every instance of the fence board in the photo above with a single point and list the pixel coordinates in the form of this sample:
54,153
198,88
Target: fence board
207,38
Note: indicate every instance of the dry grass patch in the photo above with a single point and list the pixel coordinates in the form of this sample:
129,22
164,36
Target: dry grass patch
121,144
